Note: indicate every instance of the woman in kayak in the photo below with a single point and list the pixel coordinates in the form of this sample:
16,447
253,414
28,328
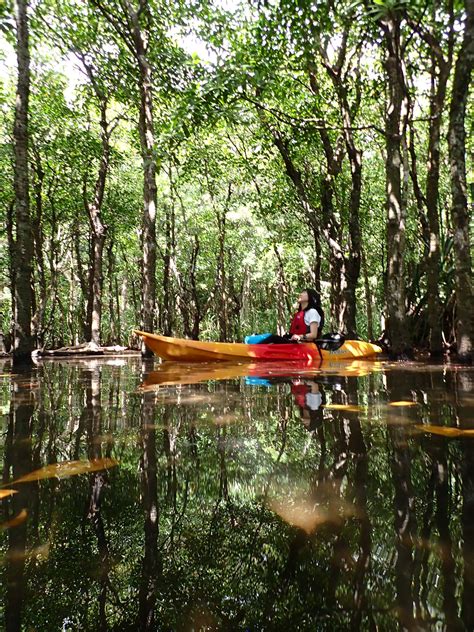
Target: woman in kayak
306,324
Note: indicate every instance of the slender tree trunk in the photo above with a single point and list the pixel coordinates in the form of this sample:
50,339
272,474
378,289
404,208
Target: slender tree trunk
38,319
432,195
11,254
136,38
352,262
84,303
337,269
197,314
396,211
114,307
459,210
221,276
317,258
368,299
147,139
342,289
23,260
96,286
168,254
440,70
98,229
52,263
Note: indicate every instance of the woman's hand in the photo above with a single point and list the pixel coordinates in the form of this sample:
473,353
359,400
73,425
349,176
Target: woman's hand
298,338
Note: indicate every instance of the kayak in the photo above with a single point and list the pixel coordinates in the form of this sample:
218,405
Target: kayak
183,350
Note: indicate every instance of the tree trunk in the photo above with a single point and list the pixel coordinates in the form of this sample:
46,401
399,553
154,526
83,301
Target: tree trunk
337,267
114,307
166,312
11,252
98,228
136,38
23,259
317,259
440,70
352,262
221,276
147,139
396,211
38,319
197,313
432,195
368,299
97,283
459,209
84,303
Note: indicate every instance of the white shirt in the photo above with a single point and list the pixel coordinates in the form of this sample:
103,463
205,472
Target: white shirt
313,400
312,316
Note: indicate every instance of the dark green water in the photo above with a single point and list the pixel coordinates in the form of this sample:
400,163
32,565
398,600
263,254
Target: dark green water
296,500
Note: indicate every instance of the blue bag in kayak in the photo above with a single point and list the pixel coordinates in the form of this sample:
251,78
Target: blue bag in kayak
255,339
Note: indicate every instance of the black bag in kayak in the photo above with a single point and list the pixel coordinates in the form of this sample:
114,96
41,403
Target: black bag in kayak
331,341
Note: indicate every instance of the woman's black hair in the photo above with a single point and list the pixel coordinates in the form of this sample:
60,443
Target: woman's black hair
314,302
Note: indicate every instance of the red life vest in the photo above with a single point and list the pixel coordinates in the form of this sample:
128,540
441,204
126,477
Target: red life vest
299,392
298,326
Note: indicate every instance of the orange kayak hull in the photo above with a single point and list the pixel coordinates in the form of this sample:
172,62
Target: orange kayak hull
184,350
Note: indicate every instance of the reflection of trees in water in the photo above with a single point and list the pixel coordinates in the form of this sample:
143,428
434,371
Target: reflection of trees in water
405,522
151,566
438,503
184,529
425,475
18,461
464,388
97,483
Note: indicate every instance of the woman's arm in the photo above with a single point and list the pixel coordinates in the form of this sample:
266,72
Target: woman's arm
312,335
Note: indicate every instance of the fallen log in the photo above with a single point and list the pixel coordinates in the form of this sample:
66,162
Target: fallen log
84,349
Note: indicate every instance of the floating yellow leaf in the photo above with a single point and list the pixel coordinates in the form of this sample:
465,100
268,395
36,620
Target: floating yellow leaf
66,469
14,522
4,493
352,408
445,431
402,403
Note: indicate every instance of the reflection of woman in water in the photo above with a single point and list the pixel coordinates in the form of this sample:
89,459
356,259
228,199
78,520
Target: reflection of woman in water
310,398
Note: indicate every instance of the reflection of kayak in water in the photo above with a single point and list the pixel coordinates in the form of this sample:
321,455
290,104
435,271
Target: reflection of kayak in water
182,350
173,373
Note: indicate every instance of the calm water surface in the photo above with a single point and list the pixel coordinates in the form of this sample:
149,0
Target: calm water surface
230,497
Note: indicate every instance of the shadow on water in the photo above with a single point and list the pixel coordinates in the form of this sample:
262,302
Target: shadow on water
235,497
